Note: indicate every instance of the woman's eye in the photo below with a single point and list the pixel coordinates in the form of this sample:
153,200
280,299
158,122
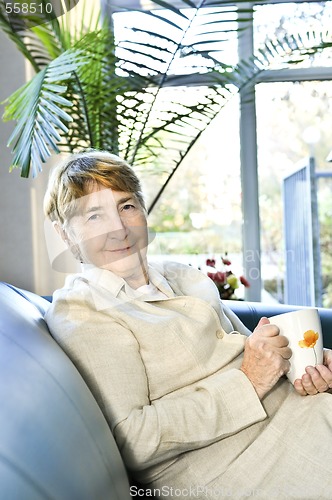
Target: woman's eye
128,207
93,217
128,210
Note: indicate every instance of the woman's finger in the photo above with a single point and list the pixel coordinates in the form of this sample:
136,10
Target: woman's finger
326,375
313,381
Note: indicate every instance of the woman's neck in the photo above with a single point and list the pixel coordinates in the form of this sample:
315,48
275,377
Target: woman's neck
140,278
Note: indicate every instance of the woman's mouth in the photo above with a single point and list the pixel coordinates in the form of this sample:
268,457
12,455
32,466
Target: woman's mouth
119,250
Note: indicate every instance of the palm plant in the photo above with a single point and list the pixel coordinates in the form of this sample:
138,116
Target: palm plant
91,91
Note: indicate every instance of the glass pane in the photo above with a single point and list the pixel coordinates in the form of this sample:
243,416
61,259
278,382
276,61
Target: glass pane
325,222
294,121
199,215
278,21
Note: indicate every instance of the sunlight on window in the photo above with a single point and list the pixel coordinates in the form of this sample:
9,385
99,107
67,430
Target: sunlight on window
306,22
213,30
294,121
200,211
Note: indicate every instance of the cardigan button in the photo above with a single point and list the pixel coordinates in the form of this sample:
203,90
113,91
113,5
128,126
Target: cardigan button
220,334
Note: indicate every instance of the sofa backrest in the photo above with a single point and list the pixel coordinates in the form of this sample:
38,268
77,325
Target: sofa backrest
251,312
54,441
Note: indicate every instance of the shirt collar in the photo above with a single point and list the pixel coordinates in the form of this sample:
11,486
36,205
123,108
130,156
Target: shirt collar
103,278
115,284
158,279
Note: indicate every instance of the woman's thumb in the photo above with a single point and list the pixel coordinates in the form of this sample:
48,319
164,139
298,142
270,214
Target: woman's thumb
263,321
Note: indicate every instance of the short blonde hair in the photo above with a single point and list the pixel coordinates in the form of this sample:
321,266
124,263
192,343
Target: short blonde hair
72,178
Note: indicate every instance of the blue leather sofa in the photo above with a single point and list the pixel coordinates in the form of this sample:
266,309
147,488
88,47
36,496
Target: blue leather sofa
54,441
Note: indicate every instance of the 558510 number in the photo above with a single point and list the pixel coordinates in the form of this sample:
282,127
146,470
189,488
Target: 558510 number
28,8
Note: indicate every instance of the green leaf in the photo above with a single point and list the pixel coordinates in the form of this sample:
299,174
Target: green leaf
170,7
38,109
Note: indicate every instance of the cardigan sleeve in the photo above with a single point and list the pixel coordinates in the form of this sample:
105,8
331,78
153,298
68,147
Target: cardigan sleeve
149,432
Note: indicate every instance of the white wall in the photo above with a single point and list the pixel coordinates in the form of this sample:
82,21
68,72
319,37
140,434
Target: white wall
24,259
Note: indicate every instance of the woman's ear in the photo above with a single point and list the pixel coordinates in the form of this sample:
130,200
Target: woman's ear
74,248
59,229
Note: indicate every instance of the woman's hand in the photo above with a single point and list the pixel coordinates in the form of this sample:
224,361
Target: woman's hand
316,379
266,357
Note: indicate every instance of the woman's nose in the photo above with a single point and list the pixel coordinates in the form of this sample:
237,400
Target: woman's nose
117,228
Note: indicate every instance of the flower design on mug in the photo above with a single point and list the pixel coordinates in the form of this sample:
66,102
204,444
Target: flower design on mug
310,338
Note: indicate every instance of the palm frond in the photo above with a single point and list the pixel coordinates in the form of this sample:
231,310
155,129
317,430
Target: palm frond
96,91
42,37
18,37
120,95
225,85
37,108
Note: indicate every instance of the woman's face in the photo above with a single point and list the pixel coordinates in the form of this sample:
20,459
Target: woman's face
109,230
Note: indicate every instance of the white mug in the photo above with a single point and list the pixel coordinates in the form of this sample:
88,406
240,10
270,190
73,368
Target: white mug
303,330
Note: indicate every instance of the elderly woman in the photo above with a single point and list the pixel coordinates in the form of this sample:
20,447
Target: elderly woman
198,405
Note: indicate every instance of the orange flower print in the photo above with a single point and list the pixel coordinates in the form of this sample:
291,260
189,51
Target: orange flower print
310,338
309,341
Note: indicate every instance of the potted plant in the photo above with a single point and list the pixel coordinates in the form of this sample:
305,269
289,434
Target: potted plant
90,91
225,280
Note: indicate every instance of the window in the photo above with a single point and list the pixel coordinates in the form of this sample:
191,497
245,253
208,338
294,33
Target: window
200,213
293,122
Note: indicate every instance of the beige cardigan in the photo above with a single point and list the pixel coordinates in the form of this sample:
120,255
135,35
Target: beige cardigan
165,372
157,368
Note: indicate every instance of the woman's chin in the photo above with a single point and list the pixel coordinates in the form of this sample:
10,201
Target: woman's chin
126,265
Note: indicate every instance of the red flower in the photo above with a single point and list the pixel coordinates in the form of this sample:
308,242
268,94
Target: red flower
244,281
218,277
211,262
225,280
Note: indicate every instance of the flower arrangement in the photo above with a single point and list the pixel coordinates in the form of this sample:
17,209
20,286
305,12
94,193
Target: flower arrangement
225,280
